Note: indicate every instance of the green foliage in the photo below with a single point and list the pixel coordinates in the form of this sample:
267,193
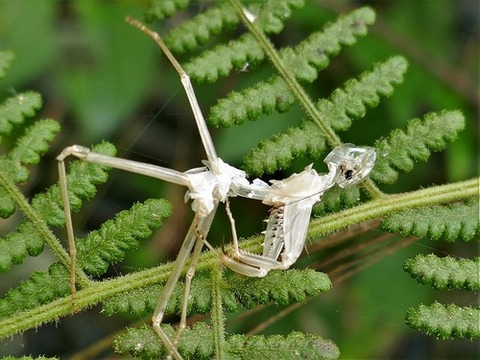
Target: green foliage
279,288
209,66
41,288
422,136
14,110
14,247
458,221
447,212
28,358
161,9
445,272
445,321
6,58
196,32
27,151
305,60
123,233
279,151
197,343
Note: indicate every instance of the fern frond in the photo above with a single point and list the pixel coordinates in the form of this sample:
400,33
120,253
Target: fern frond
81,178
161,9
350,102
198,30
237,291
445,321
422,136
15,246
28,358
337,200
108,244
29,148
458,221
100,248
6,58
209,66
40,288
344,105
14,110
197,343
278,152
445,272
27,151
305,60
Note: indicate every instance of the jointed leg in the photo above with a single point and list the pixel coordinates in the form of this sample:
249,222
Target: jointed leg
85,154
190,240
187,85
200,233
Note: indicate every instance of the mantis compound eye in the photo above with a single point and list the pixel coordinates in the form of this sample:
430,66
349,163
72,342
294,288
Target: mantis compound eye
348,175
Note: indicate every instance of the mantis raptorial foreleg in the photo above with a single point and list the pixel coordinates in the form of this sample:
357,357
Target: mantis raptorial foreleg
291,202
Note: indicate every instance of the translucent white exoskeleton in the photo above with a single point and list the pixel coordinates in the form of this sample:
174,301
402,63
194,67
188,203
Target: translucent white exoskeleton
207,187
291,202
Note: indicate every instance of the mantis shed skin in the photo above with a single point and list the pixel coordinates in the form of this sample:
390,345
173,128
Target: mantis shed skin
291,201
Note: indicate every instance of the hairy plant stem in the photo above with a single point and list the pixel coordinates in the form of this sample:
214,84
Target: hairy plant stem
294,85
218,317
297,89
41,227
95,292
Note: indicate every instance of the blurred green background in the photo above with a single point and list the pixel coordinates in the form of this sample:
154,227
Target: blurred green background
101,79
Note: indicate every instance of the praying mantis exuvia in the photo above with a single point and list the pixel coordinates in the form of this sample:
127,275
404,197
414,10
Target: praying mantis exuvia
291,201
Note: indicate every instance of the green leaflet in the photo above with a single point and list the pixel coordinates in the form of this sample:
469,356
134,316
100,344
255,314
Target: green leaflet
29,358
14,247
40,288
161,9
344,105
279,287
27,151
445,272
305,60
197,343
423,135
94,254
221,60
449,222
445,321
350,102
6,58
198,31
82,178
210,67
14,110
278,152
108,244
337,200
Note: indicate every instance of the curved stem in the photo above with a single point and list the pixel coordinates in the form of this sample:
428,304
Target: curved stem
388,204
294,85
96,292
218,315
